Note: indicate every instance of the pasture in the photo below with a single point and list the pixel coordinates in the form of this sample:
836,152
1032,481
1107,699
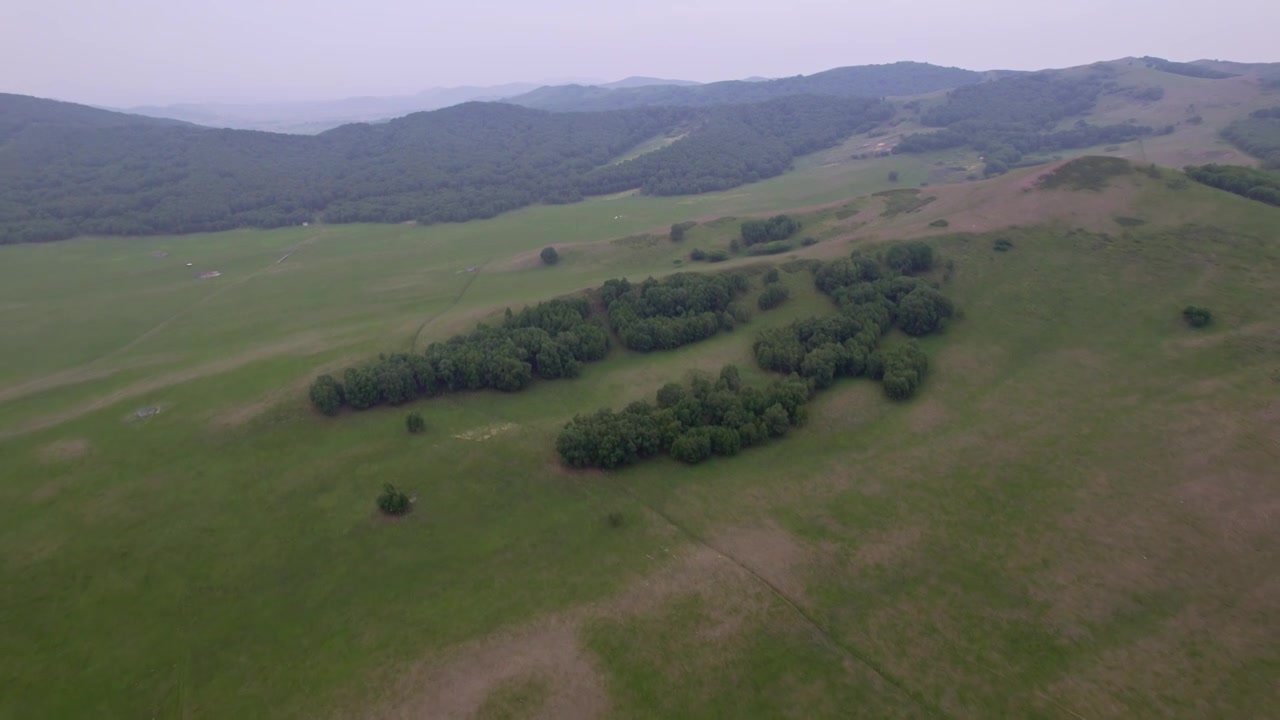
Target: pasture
1074,517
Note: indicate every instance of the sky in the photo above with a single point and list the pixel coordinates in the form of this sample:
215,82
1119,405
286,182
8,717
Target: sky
122,53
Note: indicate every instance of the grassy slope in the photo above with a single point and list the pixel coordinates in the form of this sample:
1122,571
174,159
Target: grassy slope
1070,519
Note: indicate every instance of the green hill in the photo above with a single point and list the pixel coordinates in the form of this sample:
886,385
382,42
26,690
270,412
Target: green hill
1073,517
82,171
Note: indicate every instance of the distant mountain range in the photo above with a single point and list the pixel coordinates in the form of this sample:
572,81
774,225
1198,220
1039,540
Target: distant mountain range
309,117
902,78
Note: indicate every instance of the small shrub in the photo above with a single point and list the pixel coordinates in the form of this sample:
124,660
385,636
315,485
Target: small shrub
1124,221
1196,316
327,395
393,501
939,223
697,254
414,423
550,256
772,276
1002,245
716,256
809,241
772,297
614,519
893,176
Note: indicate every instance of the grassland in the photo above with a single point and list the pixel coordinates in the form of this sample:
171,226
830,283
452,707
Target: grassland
1075,517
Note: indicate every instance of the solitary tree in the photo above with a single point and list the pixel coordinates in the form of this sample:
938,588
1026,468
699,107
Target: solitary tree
893,176
550,256
414,423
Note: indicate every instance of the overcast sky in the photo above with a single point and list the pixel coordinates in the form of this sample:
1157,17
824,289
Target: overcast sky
129,52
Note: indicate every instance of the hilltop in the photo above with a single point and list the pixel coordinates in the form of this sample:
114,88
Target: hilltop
903,78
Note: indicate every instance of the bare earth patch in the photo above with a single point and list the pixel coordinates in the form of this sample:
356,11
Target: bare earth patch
458,682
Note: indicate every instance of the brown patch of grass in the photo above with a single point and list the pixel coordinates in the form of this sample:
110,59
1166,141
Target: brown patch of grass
770,552
64,450
458,684
889,546
927,414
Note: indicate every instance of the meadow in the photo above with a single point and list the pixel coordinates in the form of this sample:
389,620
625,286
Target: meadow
1073,518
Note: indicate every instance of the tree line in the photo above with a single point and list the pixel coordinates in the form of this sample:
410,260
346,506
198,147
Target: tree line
550,340
1258,135
674,311
70,170
896,79
1260,185
691,422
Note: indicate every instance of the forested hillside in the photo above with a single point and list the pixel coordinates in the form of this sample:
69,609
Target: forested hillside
1015,116
68,170
903,78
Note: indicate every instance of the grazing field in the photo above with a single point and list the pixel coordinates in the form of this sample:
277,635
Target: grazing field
1074,517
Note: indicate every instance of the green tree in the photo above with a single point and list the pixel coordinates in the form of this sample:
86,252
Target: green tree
550,256
414,423
327,395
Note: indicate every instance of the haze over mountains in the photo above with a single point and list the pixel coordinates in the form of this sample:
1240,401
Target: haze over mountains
313,116
68,170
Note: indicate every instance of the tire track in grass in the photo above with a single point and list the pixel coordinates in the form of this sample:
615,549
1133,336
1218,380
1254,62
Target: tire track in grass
850,653
89,370
417,335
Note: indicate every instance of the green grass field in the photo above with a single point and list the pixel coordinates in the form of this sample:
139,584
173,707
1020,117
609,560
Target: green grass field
1074,517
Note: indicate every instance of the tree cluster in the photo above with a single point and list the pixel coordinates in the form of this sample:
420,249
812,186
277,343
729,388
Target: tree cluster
778,227
1009,118
1196,316
1187,69
736,144
550,340
675,311
903,370
690,422
872,299
1260,185
1258,135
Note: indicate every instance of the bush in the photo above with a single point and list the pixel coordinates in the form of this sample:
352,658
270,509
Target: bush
773,296
1196,317
778,227
697,254
716,256
893,176
327,395
414,423
393,501
940,223
910,258
772,276
550,256
1002,245
615,519
679,229
809,241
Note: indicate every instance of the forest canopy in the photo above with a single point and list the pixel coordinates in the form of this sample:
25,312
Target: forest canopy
68,170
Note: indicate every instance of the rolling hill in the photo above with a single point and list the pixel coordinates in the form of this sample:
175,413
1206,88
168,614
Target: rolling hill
903,78
95,172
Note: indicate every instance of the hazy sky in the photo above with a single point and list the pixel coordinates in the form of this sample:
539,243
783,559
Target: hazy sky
127,52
